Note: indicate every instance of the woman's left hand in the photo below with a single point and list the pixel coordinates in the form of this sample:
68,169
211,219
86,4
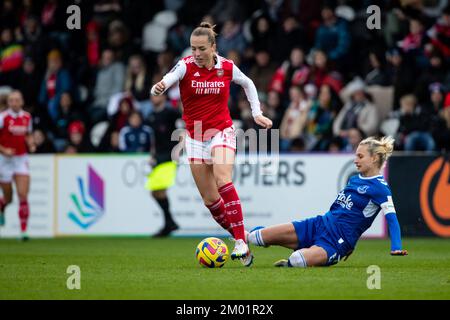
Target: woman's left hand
264,122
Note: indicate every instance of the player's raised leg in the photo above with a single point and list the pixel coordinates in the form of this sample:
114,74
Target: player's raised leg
223,162
23,186
5,200
206,184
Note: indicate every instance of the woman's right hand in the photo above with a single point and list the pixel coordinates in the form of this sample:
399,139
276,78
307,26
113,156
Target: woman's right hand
159,88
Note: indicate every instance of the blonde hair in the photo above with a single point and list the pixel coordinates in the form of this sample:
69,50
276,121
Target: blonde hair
383,148
206,29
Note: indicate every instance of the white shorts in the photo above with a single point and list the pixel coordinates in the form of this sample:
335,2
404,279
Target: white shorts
201,151
10,166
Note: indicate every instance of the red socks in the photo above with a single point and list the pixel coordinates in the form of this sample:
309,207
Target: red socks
24,213
233,209
217,210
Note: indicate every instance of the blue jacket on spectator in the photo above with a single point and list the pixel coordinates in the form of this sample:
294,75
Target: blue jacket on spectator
135,139
334,40
63,84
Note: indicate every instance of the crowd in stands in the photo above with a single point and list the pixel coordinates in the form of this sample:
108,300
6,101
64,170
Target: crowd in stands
325,79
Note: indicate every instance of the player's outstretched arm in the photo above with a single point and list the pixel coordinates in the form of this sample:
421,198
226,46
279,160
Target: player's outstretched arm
395,235
176,74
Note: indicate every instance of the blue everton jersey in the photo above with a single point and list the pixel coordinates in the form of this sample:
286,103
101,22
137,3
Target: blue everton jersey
356,207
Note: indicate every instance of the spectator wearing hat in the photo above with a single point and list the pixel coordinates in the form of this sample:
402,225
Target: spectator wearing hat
358,111
56,81
78,139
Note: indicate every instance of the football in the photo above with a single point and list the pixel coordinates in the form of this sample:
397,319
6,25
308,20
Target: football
212,253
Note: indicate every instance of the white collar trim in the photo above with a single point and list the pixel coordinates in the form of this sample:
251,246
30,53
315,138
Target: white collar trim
368,178
15,114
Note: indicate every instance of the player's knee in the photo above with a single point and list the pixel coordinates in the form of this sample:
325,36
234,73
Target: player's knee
209,200
297,259
222,180
209,197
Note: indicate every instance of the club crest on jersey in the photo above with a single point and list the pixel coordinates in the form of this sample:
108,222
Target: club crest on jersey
220,73
362,189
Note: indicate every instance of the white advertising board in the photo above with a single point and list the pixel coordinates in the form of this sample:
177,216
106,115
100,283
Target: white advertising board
105,195
41,201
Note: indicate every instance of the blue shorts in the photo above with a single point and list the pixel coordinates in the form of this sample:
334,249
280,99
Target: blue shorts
312,232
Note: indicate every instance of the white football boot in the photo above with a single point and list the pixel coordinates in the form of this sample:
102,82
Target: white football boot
240,250
281,263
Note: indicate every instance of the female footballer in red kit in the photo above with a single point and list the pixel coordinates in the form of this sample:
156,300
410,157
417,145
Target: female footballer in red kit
15,142
204,81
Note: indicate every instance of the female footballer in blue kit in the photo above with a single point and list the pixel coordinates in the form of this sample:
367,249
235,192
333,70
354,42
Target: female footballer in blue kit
325,240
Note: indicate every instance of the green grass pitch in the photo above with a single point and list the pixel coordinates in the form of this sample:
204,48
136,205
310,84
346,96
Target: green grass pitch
143,268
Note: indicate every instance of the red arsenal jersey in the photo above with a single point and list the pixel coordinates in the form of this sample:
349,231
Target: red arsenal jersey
14,128
204,94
